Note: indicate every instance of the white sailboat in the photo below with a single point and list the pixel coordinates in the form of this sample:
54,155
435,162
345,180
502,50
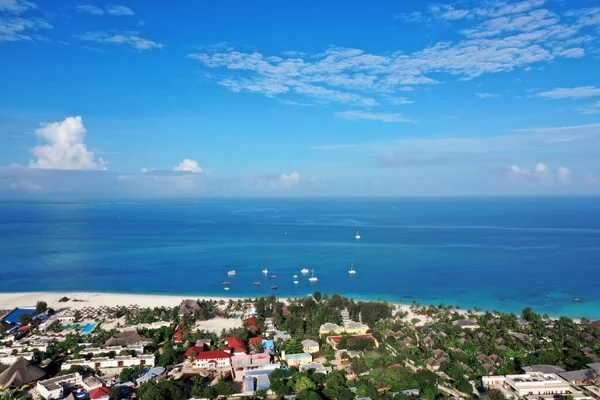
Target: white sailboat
295,276
357,236
295,282
352,270
305,271
265,271
231,273
313,278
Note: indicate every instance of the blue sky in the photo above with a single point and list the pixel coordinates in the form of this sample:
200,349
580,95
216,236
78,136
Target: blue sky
150,99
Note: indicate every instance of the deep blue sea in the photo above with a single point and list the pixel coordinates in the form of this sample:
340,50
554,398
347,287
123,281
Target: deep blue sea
493,253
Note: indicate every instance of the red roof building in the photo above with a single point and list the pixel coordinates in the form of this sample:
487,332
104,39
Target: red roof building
236,345
193,350
99,393
253,328
214,359
251,321
256,341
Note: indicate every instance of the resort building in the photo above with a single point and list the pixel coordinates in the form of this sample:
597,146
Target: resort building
257,380
54,388
310,346
434,364
137,348
127,338
466,324
294,360
8,357
47,324
350,327
214,359
235,346
117,363
330,328
530,384
20,373
188,307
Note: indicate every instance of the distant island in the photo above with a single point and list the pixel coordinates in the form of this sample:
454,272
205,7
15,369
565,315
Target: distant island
111,346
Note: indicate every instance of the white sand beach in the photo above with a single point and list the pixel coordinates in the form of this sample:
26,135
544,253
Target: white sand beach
81,300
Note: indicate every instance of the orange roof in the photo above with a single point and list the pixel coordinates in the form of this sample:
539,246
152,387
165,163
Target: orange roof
256,341
193,349
24,328
251,320
336,339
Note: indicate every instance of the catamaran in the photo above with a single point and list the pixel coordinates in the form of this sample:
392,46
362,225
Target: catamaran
357,236
313,278
352,270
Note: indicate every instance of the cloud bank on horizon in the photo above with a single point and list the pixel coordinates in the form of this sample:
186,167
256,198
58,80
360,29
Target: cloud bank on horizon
494,97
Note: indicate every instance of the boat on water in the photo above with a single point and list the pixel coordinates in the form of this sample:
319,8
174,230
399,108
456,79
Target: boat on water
231,273
313,278
295,282
256,283
305,271
352,271
225,283
265,271
272,276
226,288
357,236
275,287
548,296
576,300
295,276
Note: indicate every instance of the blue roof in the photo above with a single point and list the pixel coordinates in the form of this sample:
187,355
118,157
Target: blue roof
268,343
258,372
298,355
262,382
13,317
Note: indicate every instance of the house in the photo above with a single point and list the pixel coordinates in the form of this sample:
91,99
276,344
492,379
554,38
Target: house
294,360
334,341
127,338
100,393
330,328
466,324
440,353
188,307
256,380
20,373
355,328
489,368
434,364
316,367
212,359
203,342
310,346
244,361
482,358
193,350
93,351
500,341
256,342
496,359
54,388
251,320
482,336
235,345
344,356
152,373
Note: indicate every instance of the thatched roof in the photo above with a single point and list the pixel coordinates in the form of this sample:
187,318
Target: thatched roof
20,373
125,338
188,307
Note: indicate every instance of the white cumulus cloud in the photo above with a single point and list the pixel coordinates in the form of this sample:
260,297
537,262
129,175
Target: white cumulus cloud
189,165
383,117
540,173
16,6
66,148
114,9
571,93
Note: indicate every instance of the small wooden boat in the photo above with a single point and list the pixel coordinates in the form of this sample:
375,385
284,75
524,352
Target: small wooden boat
273,276
576,300
225,283
274,287
256,283
226,288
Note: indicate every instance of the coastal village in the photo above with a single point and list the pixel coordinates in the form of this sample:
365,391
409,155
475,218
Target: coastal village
317,347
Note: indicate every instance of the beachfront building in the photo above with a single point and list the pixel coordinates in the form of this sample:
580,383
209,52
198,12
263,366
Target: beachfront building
330,328
9,356
127,338
531,384
215,359
235,346
350,327
466,324
137,348
48,324
294,360
188,307
310,346
113,364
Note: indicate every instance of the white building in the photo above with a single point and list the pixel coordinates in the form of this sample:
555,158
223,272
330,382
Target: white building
212,360
310,346
9,358
531,384
47,324
119,362
138,348
294,360
54,388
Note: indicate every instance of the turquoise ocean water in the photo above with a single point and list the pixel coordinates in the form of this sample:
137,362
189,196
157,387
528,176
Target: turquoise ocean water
494,253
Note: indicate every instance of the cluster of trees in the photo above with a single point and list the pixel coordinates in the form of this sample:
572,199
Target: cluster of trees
370,311
354,343
179,390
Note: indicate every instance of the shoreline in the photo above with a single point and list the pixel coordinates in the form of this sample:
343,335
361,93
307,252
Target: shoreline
79,300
